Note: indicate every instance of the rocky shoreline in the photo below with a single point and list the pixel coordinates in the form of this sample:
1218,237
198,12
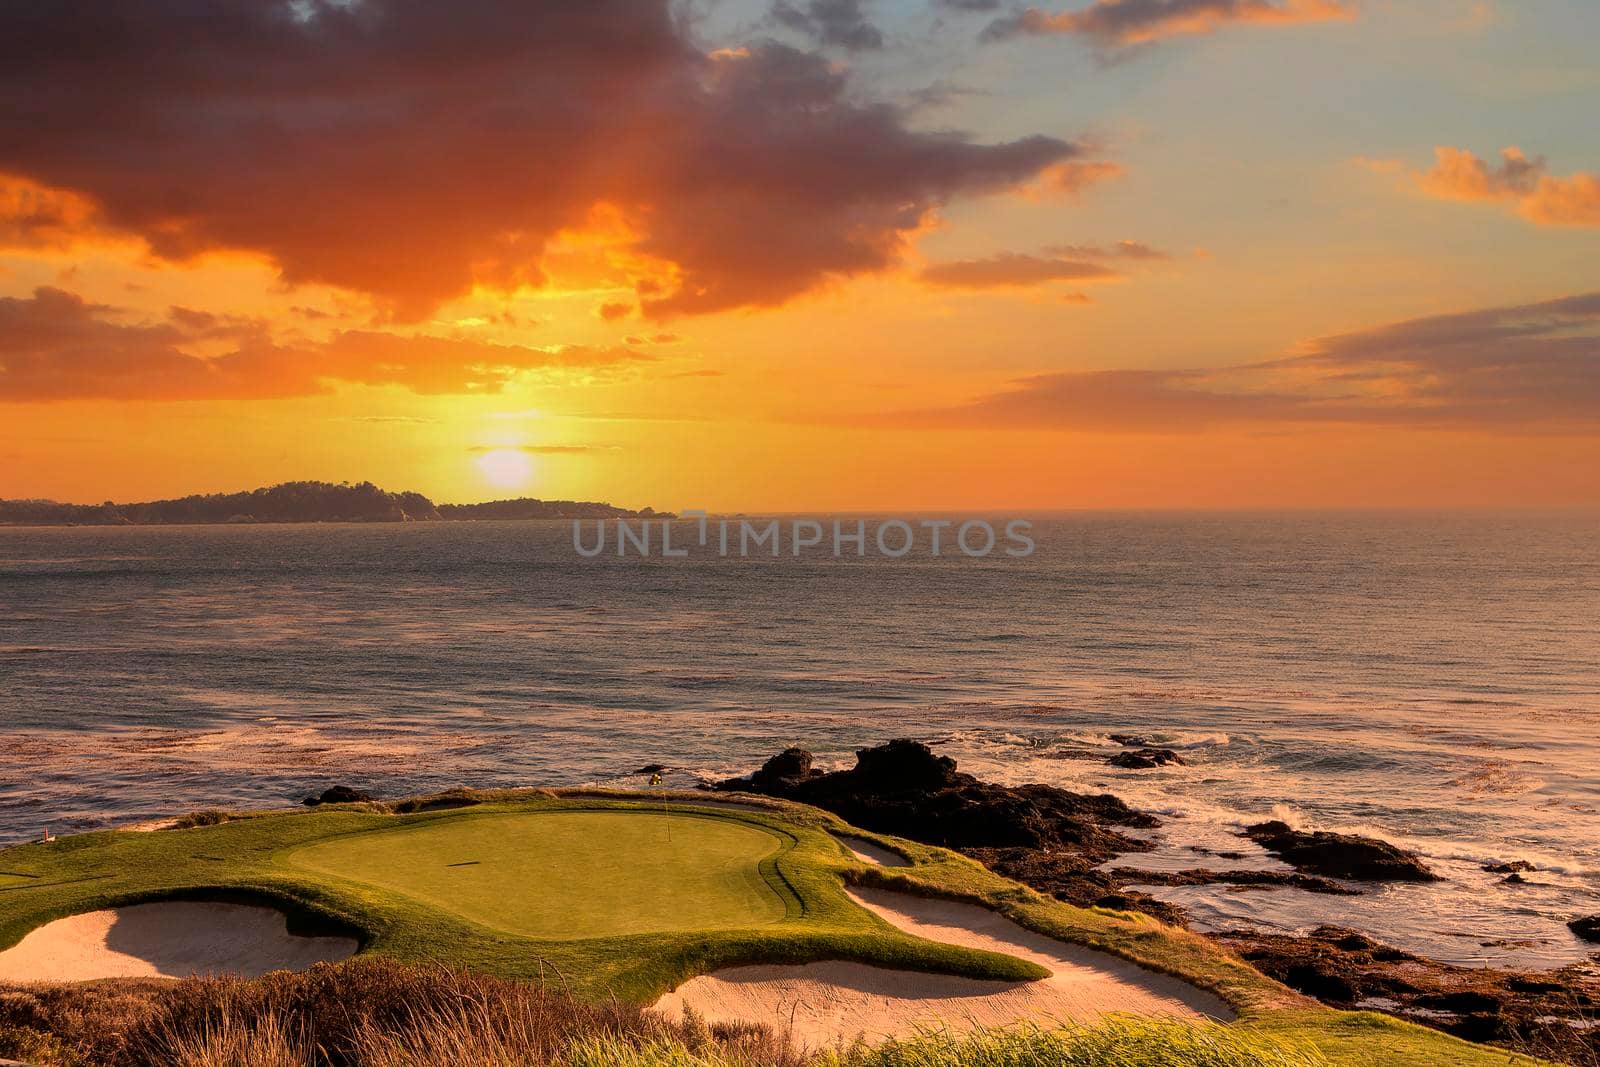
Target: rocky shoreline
1058,842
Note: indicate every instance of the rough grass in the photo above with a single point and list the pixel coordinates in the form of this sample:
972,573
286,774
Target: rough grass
1115,1042
380,1013
361,1013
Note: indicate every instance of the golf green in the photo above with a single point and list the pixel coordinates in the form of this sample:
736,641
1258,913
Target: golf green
568,875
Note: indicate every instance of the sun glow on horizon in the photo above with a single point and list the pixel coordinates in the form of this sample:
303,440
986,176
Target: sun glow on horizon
506,468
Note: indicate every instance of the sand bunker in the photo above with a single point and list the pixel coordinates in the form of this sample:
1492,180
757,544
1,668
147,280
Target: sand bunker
171,939
868,852
822,1004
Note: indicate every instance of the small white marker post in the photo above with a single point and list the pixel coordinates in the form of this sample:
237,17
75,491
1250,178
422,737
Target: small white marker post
666,810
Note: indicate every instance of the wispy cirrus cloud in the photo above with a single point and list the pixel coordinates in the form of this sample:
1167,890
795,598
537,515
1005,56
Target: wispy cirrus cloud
1124,250
1512,369
1055,263
1519,180
56,346
1115,24
1009,270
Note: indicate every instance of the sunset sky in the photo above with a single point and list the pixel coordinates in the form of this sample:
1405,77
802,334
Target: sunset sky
803,255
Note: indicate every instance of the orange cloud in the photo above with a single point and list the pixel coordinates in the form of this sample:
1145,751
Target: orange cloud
1020,270
1539,197
345,143
1124,23
1074,177
56,346
35,217
1506,368
1126,250
1573,201
1459,175
1011,270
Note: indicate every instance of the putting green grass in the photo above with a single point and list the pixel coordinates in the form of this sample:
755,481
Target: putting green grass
567,875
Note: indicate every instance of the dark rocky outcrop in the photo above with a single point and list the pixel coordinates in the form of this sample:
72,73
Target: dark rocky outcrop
1514,867
1541,1014
782,772
1340,855
339,794
1070,877
652,768
1587,928
902,788
1145,758
1264,879
1043,836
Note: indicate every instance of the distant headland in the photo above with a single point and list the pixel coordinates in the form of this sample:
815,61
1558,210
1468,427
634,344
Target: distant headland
302,502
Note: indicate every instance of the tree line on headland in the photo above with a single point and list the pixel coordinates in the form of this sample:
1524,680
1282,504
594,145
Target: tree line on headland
300,502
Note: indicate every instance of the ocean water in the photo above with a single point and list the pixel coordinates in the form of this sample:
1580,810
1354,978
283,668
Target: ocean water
1430,679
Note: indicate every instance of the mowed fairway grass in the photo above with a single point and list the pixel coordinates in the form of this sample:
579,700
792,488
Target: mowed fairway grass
566,875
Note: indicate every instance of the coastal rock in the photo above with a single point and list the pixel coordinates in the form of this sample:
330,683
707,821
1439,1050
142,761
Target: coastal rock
1514,867
905,765
339,794
1322,982
1267,879
1587,928
651,768
1461,1002
1040,835
790,766
1145,758
1069,877
902,788
1542,1014
1340,855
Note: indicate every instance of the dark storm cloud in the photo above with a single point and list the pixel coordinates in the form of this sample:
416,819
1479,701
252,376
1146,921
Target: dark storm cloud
409,148
831,23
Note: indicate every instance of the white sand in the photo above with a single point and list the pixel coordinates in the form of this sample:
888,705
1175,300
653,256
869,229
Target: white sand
823,1004
867,852
172,939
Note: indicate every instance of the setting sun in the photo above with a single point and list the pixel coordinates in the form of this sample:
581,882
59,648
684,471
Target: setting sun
506,468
